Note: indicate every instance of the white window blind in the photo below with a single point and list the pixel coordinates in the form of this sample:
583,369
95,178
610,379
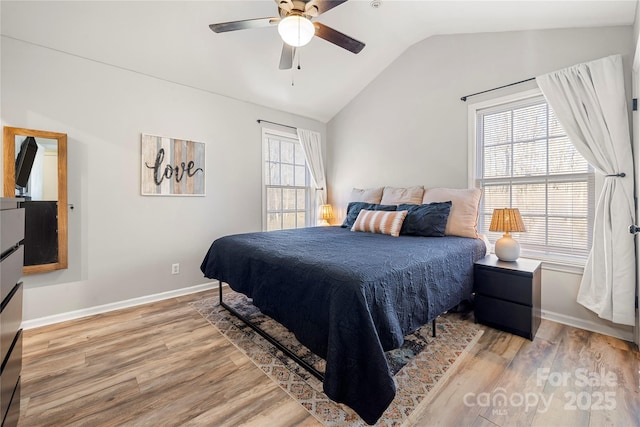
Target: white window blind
525,160
286,199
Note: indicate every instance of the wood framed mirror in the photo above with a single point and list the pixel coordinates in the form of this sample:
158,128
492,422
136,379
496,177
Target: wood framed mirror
41,160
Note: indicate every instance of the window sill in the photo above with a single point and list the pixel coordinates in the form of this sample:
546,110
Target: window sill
555,265
563,265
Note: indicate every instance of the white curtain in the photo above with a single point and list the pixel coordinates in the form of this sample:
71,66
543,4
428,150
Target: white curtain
590,102
312,144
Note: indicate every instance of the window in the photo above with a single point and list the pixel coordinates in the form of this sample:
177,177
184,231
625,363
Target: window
286,179
525,160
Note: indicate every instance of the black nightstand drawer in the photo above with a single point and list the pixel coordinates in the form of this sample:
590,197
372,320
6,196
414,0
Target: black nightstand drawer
507,316
503,285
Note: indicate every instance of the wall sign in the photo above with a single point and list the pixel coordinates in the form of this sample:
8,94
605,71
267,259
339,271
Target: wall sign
172,167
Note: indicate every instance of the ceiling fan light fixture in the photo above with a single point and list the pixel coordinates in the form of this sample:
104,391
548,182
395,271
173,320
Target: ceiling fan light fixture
296,30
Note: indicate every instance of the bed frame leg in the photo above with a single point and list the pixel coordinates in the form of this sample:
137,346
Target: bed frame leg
433,328
313,371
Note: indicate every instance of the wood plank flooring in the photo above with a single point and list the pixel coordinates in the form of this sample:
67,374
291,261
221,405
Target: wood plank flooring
163,364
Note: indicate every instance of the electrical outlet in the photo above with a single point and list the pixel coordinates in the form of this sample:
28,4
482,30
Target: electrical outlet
175,268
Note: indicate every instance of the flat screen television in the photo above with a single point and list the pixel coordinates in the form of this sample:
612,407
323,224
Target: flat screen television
24,161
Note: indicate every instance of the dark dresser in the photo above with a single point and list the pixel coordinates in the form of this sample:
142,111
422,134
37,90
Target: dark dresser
508,295
11,261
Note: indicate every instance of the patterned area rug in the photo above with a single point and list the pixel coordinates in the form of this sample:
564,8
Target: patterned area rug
418,367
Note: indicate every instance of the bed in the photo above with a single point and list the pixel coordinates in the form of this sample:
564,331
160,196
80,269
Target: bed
348,296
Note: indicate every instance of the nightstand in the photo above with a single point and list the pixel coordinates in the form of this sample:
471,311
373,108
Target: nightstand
508,294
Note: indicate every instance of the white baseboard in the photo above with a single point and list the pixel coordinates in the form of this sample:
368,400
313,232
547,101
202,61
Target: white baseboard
588,325
76,314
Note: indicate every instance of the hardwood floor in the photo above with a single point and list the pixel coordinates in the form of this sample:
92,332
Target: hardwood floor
163,364
564,377
159,364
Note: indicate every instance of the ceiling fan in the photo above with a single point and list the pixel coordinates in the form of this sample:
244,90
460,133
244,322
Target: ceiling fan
296,28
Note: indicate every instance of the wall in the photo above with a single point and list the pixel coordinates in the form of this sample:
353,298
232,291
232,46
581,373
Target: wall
122,244
409,125
636,147
50,175
636,25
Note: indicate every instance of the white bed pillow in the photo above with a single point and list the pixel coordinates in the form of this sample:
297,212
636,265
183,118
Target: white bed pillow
368,195
463,217
399,195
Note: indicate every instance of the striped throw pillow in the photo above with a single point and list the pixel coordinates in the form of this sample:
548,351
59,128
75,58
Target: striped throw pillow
382,222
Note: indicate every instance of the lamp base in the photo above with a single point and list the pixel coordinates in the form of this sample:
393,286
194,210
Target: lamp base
507,249
324,223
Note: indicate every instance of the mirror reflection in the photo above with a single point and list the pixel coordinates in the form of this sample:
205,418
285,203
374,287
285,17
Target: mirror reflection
36,168
38,175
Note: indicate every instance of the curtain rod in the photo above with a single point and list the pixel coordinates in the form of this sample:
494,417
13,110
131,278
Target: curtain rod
274,123
464,98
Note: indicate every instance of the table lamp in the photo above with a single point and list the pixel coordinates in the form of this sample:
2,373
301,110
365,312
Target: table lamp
507,220
326,213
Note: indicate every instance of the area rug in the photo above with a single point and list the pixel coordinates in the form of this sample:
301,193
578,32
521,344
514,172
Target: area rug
420,366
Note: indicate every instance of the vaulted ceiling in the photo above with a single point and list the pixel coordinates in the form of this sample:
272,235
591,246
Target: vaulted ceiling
171,40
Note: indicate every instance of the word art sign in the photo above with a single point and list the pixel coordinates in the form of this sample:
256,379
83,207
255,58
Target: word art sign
172,167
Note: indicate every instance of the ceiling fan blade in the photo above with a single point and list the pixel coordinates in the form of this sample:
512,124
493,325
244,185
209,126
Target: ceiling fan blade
338,38
223,27
316,7
286,58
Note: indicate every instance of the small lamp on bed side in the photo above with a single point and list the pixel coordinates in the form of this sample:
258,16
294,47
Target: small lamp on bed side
507,220
326,213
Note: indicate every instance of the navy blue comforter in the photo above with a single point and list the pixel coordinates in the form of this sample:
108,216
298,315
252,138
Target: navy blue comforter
348,296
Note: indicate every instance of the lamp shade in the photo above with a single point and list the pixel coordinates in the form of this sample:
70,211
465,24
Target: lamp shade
326,213
507,220
296,30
